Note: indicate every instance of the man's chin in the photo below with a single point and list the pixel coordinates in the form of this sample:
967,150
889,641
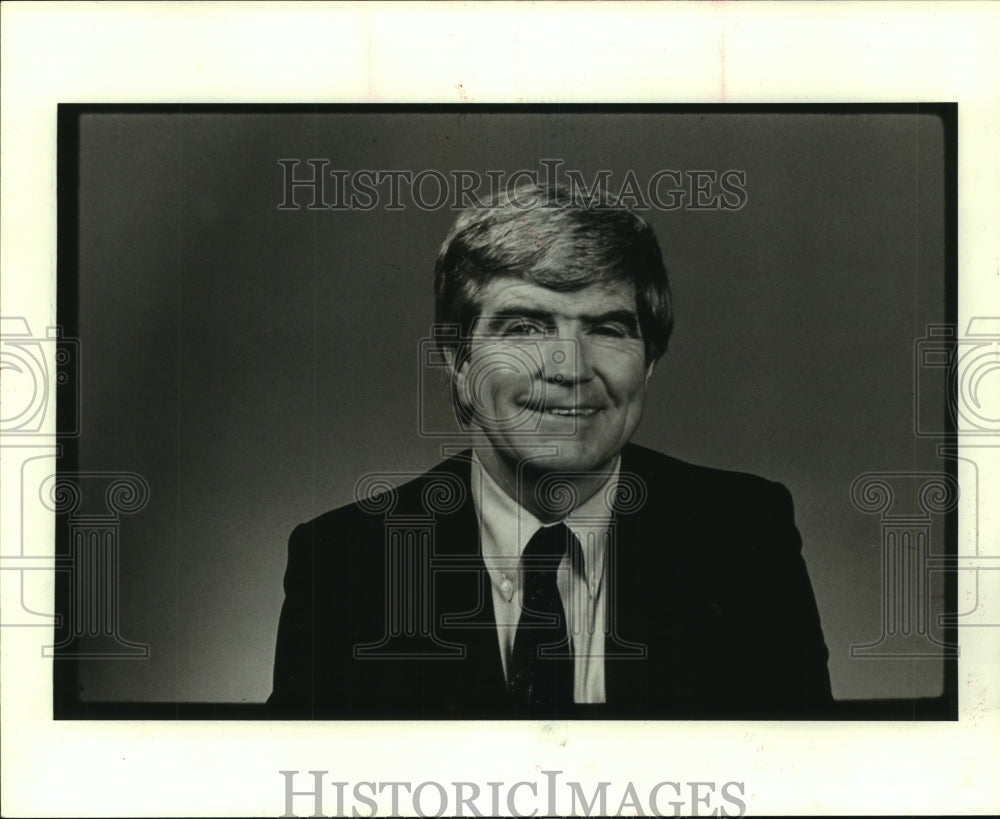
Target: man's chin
565,456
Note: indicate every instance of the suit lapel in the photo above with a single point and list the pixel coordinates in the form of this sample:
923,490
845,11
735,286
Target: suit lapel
645,571
463,600
643,562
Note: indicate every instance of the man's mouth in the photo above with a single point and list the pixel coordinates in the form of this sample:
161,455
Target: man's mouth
564,410
573,412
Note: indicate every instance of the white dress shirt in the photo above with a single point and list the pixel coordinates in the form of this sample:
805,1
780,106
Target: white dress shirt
505,529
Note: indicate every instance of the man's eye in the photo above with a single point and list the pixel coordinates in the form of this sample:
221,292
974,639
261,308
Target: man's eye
611,330
522,328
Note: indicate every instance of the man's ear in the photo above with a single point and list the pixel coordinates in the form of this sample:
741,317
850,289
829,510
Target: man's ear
457,374
649,370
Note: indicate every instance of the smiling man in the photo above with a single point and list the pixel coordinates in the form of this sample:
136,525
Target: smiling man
583,399
553,569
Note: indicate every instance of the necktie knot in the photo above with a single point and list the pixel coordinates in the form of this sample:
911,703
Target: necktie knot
546,548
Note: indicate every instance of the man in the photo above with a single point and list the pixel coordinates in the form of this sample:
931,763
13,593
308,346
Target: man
554,570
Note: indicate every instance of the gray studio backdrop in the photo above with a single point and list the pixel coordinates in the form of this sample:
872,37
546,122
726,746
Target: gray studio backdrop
252,363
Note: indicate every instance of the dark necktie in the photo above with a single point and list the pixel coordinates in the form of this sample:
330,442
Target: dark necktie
541,661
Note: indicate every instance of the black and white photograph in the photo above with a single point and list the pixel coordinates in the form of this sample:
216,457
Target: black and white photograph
363,356
397,424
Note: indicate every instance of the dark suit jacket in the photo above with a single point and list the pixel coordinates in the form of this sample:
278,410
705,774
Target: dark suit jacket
712,612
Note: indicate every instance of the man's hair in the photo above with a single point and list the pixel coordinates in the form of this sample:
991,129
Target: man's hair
551,238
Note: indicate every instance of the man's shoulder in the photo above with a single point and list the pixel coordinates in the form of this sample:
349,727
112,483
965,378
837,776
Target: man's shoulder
717,517
442,489
672,474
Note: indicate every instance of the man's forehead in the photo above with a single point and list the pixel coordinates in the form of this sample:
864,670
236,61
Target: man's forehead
510,295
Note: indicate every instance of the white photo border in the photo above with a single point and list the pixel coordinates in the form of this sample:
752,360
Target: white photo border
588,52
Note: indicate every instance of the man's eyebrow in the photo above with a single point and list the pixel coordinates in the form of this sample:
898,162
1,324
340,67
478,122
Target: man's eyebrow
514,312
627,318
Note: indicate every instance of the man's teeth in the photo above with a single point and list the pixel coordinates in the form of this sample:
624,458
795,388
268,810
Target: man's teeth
570,410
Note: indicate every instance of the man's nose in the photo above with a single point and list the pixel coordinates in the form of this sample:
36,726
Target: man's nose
566,360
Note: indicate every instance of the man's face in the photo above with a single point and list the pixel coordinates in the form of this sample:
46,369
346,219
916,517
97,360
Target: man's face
549,370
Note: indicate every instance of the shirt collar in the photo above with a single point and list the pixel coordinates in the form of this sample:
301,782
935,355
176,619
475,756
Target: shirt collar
506,527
